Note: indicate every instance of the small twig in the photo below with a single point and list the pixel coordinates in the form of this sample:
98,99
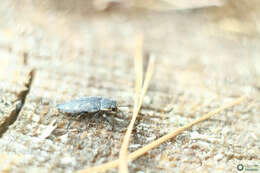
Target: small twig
161,140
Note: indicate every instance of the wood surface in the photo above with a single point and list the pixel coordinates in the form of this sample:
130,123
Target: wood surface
205,58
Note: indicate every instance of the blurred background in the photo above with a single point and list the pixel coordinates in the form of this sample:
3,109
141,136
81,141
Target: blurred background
176,29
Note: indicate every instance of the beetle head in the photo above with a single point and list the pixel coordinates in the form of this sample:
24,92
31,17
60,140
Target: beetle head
108,105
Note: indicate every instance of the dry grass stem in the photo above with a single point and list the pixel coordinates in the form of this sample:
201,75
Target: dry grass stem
138,61
138,103
161,140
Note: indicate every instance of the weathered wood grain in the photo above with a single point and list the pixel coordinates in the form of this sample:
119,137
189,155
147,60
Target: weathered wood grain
199,67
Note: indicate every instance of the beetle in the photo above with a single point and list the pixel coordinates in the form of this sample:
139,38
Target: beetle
89,104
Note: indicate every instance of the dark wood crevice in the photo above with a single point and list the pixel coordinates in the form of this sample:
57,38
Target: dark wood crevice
15,110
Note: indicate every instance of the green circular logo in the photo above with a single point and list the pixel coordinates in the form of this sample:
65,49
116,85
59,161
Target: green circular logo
240,167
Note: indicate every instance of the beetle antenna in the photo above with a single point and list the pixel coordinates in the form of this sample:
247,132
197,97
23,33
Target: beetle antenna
124,106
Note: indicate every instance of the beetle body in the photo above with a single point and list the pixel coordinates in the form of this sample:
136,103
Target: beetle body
88,105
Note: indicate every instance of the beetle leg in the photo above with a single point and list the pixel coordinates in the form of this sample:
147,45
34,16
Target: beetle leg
118,114
110,120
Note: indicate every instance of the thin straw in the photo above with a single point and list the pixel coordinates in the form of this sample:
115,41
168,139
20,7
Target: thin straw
138,103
